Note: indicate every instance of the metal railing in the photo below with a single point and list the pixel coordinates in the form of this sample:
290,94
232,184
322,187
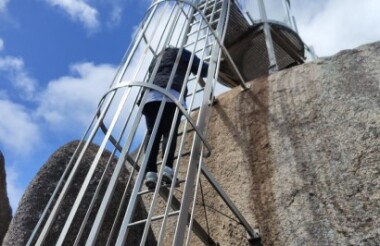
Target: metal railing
198,26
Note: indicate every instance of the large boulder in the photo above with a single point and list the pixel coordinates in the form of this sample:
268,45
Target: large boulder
42,186
5,208
299,153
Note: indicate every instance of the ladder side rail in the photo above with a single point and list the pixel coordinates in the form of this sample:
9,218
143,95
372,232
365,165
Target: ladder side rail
181,97
159,116
176,115
215,184
161,234
197,144
130,210
192,219
199,231
225,51
188,17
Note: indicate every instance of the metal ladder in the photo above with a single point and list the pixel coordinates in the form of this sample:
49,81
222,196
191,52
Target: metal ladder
198,26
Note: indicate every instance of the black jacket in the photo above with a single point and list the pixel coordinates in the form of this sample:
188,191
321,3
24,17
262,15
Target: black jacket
166,65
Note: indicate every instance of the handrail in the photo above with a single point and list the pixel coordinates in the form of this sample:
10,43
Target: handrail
166,94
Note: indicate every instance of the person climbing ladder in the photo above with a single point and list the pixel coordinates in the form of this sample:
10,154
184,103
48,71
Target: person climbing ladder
153,102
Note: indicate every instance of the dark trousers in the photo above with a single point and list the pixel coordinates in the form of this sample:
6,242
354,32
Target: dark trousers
150,111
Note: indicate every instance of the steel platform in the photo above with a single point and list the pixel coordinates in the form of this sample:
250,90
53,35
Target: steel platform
246,45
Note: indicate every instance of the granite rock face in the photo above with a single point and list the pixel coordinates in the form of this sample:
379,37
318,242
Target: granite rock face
5,208
299,153
41,188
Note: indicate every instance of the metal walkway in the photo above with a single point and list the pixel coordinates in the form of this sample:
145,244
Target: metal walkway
213,30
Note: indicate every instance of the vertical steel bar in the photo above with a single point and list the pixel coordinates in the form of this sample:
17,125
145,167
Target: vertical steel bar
130,210
154,200
197,143
169,200
268,38
194,200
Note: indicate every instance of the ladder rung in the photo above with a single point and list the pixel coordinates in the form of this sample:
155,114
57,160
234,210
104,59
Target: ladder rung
199,38
195,23
209,7
195,31
215,12
214,21
197,91
175,157
158,217
207,58
199,21
187,130
146,191
200,49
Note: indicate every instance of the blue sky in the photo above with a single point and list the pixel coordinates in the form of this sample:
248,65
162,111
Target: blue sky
57,57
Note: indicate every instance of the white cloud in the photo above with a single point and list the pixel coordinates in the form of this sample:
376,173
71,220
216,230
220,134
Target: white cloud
18,131
72,100
80,11
116,15
14,67
338,25
3,5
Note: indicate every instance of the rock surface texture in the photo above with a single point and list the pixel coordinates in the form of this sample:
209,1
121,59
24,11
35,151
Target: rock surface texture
299,153
5,208
41,188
